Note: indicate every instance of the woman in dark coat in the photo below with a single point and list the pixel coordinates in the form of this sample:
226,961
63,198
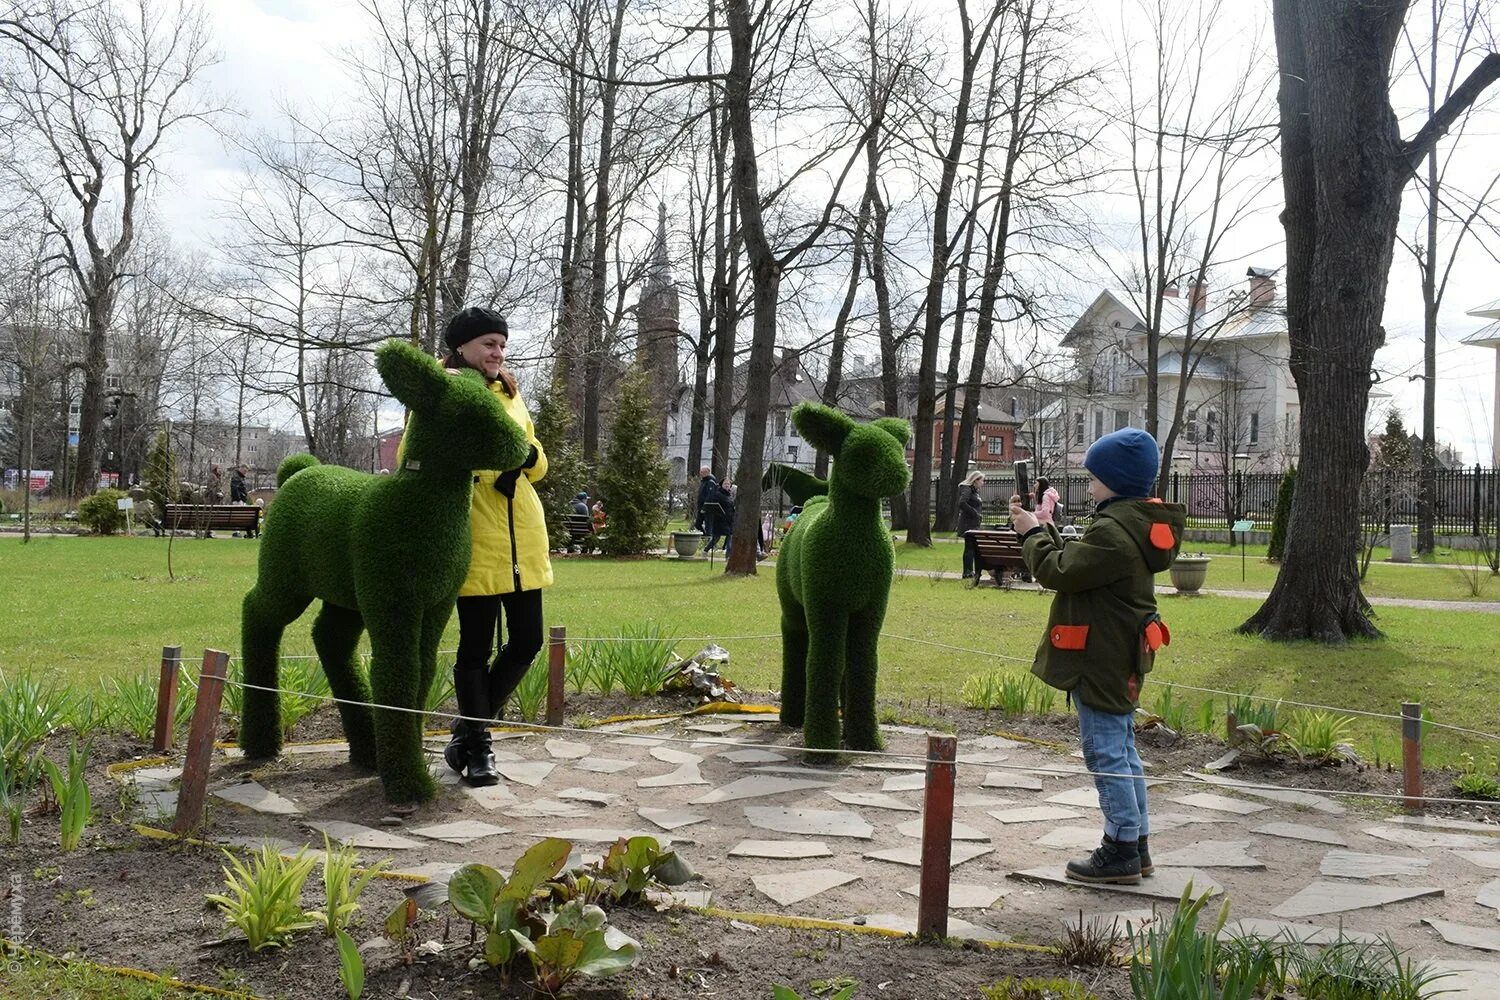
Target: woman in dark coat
970,509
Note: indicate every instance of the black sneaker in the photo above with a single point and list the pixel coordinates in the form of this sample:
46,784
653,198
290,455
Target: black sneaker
1114,862
1145,852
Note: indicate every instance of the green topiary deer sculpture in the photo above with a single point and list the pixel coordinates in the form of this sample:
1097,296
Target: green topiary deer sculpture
387,553
834,577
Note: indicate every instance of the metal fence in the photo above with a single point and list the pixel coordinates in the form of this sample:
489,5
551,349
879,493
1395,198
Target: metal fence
1467,500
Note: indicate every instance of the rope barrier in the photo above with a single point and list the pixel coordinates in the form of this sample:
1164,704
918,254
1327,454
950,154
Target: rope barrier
921,758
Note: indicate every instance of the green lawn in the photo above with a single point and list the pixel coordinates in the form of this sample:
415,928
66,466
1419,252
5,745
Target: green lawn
83,608
1433,583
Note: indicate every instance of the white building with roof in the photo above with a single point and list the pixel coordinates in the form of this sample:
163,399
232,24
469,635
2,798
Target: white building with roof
1239,399
1489,336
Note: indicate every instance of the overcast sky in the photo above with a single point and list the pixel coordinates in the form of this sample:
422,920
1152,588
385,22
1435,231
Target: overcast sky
272,51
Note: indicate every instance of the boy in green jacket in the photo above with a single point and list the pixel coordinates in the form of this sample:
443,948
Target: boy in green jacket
1103,632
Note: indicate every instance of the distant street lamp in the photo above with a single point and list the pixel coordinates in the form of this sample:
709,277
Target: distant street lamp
1241,463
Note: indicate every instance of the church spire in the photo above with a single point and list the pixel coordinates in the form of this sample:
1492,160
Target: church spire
659,256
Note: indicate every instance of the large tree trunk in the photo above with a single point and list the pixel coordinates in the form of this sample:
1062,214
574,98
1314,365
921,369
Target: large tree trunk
833,383
890,374
1344,165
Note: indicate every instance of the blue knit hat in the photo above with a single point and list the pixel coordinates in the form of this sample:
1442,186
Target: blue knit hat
1125,461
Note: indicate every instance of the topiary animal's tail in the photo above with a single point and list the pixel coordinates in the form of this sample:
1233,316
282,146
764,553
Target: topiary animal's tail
293,465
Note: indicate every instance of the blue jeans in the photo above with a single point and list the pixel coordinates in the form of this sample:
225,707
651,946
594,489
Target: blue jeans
1109,748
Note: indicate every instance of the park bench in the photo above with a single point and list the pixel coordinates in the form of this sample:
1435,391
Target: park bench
580,531
997,550
211,517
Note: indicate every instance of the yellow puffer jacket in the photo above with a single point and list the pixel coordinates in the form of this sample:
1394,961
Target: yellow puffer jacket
502,560
509,535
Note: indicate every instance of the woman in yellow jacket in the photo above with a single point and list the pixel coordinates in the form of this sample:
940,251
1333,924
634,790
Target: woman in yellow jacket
508,566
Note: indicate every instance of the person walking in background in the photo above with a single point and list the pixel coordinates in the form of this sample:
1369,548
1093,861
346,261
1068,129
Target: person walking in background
727,492
508,565
970,513
1046,501
238,493
1103,633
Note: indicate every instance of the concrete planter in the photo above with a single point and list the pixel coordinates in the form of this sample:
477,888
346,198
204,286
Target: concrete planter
686,543
1188,573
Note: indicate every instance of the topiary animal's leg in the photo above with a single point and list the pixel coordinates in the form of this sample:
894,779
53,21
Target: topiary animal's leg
793,664
826,649
262,620
861,728
395,676
434,622
335,635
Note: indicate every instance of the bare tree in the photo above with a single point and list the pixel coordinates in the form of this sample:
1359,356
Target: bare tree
96,91
1344,167
1442,41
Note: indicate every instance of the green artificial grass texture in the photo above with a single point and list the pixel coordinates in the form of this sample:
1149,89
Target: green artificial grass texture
83,608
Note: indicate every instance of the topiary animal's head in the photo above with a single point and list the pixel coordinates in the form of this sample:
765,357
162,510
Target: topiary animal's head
457,423
869,460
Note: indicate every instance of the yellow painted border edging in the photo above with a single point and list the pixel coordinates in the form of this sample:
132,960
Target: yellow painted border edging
126,766
11,947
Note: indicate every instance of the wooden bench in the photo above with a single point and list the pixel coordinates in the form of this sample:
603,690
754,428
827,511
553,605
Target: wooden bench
580,531
211,517
996,551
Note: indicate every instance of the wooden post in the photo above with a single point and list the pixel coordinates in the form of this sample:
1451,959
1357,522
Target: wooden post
1411,755
193,787
937,837
1231,727
166,697
557,658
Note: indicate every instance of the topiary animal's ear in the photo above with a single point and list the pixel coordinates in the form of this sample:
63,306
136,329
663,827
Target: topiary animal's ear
895,427
413,377
823,426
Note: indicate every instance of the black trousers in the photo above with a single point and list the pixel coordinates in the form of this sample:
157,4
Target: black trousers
971,556
479,633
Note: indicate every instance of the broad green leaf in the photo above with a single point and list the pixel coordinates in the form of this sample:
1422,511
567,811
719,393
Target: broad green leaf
400,918
598,959
542,861
560,951
499,946
472,891
351,966
779,992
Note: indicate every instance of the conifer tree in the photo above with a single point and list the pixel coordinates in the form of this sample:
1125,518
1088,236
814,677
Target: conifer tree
1284,492
160,476
633,477
567,473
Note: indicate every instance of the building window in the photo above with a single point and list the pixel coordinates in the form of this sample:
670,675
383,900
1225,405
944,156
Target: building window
780,423
1098,424
1190,431
1078,426
1210,427
111,382
1049,434
996,446
1255,428
1122,419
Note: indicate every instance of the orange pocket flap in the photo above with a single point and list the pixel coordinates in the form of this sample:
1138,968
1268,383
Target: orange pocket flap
1157,635
1162,536
1070,636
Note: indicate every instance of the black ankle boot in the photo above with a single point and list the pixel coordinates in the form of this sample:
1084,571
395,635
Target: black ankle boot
456,753
1145,852
481,770
1114,862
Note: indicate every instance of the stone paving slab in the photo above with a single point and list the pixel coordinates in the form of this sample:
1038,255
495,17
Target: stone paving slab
1220,803
1085,798
567,749
1162,822
752,755
873,800
1340,897
1426,838
789,888
1481,938
462,832
1484,859
965,895
604,765
912,856
1444,823
961,831
1282,930
1293,798
1466,980
359,835
780,849
1011,780
1299,831
1166,884
670,819
547,809
757,787
1354,864
671,755
1033,814
491,796
1071,838
605,835
1489,895
814,822
905,783
252,795
687,774
1210,854
587,795
527,772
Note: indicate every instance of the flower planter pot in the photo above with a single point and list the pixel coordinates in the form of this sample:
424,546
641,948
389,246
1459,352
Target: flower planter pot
1188,573
686,543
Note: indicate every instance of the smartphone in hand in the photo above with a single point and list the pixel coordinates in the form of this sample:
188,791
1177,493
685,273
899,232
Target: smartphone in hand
1023,485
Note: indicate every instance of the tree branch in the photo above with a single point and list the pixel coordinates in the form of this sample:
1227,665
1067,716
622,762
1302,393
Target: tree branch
1421,144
